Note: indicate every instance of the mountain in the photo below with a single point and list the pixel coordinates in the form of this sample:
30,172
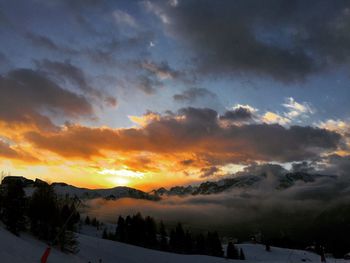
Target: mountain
279,182
64,189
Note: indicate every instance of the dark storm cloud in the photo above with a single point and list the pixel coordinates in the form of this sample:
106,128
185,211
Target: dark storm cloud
75,75
237,115
25,94
192,94
197,131
287,40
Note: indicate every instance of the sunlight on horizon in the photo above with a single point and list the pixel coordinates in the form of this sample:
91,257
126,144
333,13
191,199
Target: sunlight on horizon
122,177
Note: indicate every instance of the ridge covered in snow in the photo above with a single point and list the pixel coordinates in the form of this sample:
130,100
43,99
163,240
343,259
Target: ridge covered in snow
247,181
64,189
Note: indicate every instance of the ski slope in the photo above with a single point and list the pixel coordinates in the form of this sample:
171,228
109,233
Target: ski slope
27,249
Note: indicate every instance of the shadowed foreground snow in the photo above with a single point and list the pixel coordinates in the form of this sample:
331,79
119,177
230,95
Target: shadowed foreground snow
27,249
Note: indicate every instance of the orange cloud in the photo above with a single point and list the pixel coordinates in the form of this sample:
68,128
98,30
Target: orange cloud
172,148
15,153
194,131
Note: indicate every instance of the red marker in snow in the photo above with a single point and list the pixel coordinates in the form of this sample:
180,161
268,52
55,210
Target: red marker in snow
45,255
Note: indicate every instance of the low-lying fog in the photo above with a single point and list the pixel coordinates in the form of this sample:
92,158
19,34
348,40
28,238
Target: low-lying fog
238,210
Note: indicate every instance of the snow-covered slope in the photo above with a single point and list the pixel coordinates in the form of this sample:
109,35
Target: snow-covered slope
26,249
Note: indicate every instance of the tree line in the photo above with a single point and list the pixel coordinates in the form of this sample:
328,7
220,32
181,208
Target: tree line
44,214
145,232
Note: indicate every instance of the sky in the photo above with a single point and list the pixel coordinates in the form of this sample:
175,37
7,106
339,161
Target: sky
161,93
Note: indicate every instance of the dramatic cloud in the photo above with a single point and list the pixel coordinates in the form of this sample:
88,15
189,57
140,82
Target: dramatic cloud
26,95
9,152
68,72
6,151
197,131
60,81
192,94
285,40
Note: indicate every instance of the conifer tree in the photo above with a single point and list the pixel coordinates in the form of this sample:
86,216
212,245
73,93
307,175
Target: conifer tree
68,214
178,239
163,237
188,243
150,233
120,231
105,234
43,212
87,220
200,245
214,245
232,251
13,203
241,254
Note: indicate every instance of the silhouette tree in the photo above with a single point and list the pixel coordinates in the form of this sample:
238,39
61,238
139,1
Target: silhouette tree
163,237
105,234
87,220
214,244
120,231
13,203
188,243
232,251
177,239
241,254
69,218
150,233
43,212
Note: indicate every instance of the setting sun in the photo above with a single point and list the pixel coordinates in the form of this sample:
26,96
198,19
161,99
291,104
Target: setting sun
120,181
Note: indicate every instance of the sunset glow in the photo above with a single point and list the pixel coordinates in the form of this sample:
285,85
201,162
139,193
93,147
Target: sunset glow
149,94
